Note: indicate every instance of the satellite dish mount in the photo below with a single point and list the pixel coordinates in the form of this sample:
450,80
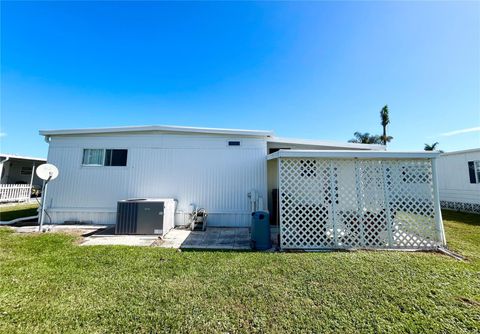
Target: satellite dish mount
46,172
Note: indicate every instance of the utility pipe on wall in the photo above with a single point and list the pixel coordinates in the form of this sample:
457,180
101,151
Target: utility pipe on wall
253,195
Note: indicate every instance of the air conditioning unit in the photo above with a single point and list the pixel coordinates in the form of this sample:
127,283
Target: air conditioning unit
145,216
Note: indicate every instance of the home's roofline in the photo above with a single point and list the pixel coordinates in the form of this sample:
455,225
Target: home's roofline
472,150
311,142
186,129
14,156
351,154
150,128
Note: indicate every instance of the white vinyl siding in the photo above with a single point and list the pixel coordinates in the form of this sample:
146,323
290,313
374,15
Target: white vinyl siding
198,169
454,177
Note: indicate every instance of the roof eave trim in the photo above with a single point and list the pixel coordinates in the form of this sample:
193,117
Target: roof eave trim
253,133
312,142
471,150
351,154
22,157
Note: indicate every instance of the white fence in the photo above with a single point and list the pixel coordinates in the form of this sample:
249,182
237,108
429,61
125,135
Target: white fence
358,203
14,192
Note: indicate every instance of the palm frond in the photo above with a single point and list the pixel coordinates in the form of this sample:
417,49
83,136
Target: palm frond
384,116
431,147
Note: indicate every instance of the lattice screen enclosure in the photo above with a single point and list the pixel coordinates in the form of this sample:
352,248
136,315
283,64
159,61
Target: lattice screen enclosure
330,203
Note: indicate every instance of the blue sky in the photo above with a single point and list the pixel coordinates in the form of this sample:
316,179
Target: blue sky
319,70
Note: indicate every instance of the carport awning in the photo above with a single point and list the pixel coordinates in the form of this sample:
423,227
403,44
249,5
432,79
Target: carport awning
344,154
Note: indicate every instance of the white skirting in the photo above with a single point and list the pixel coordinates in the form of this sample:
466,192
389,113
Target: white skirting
107,216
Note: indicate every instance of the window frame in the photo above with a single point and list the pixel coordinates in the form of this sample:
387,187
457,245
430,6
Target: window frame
473,170
104,156
112,150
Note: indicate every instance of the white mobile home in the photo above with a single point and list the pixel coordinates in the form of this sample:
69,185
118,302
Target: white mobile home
459,180
210,168
230,173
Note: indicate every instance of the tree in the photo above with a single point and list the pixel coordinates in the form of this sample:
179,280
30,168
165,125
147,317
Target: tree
385,120
432,147
365,138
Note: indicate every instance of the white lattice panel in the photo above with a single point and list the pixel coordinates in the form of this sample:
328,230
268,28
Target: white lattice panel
357,203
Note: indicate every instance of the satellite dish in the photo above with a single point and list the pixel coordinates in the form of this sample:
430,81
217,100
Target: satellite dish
47,172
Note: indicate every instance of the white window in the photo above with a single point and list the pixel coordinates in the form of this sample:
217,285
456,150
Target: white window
474,171
104,157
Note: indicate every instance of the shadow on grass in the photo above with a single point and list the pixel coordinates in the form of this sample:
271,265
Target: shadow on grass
14,214
465,218
212,250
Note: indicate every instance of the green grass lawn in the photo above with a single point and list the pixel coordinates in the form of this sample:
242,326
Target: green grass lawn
11,212
49,284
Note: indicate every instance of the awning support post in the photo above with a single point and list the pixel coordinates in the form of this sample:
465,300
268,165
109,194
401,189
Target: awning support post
31,178
386,196
436,202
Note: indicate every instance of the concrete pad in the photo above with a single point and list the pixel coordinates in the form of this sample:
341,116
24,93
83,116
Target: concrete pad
213,238
80,229
173,239
218,238
228,232
124,240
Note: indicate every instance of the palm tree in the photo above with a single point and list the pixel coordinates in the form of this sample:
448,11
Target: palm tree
365,138
385,120
432,147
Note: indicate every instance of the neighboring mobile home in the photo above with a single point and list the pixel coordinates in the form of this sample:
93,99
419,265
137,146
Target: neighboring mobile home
18,177
330,188
459,180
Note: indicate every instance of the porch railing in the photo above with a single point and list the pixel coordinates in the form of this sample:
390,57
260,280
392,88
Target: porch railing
15,192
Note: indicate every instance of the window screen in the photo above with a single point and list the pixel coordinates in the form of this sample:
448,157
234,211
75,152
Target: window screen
93,157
